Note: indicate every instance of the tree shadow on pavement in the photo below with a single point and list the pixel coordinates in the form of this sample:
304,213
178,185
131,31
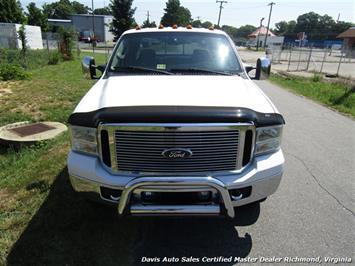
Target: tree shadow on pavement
67,230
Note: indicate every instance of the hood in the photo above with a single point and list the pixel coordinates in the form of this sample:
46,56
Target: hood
161,90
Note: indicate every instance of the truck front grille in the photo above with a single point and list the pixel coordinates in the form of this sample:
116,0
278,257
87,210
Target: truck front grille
141,149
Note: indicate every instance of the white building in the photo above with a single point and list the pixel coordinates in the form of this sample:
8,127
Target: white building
9,36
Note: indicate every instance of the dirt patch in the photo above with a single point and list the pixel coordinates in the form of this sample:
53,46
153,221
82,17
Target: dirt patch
4,196
4,91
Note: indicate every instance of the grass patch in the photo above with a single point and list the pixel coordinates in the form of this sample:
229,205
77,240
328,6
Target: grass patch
31,60
27,176
337,95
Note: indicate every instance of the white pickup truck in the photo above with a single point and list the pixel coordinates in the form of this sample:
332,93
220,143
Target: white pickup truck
176,126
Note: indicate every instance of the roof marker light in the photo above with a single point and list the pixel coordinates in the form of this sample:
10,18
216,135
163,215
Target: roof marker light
161,26
175,26
211,28
138,27
189,27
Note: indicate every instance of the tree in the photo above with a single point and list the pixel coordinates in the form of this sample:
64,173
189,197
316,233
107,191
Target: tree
148,24
80,8
63,9
207,24
308,23
36,17
103,11
123,20
286,29
196,23
22,36
244,31
176,14
11,11
230,30
315,26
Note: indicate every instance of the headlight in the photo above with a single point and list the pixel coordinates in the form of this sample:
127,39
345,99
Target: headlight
83,139
268,139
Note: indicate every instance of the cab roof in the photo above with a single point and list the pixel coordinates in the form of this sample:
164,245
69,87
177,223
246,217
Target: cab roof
171,29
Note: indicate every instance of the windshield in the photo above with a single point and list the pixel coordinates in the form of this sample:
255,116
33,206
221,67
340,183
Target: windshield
176,52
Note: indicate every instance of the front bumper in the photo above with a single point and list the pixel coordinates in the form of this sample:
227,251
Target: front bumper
263,176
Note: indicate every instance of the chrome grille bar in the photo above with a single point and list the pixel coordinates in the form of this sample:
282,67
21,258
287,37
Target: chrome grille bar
138,148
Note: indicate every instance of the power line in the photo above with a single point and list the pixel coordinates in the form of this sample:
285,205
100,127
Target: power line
220,9
268,22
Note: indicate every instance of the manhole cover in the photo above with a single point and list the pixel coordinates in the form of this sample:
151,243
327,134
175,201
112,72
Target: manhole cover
20,133
31,129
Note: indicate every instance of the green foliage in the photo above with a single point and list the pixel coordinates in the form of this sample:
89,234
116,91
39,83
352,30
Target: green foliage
63,9
317,78
176,14
103,11
12,72
53,58
122,13
196,23
33,59
36,17
315,26
338,95
207,24
244,31
11,11
22,36
67,37
148,24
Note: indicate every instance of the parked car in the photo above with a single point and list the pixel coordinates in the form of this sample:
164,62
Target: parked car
87,36
176,126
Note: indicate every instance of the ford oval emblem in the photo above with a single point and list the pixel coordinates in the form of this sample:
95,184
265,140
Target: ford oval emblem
177,153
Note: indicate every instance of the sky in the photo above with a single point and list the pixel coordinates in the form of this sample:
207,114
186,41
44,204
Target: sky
236,12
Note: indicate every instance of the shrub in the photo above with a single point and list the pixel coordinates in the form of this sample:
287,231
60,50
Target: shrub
32,60
12,72
53,58
67,37
317,78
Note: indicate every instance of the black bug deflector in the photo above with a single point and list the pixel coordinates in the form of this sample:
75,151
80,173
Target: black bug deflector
176,114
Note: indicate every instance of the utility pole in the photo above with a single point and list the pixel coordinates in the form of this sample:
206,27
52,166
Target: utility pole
257,39
268,23
93,41
148,16
220,9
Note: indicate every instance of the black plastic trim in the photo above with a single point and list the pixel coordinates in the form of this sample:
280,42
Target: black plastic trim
174,114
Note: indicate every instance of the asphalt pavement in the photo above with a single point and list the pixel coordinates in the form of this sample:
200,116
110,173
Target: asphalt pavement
311,214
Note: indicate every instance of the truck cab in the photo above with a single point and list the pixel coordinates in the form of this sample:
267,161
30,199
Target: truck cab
175,125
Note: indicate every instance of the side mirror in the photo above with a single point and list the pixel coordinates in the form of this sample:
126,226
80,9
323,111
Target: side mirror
89,67
262,69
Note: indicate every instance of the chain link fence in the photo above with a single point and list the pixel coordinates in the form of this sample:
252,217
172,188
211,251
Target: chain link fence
332,62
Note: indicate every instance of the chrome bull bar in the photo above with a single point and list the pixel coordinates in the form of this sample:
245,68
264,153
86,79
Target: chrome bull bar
177,184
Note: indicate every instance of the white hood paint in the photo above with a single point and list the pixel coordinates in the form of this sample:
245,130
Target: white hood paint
182,90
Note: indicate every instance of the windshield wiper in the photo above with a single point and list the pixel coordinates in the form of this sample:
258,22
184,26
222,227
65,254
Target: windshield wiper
142,69
202,70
